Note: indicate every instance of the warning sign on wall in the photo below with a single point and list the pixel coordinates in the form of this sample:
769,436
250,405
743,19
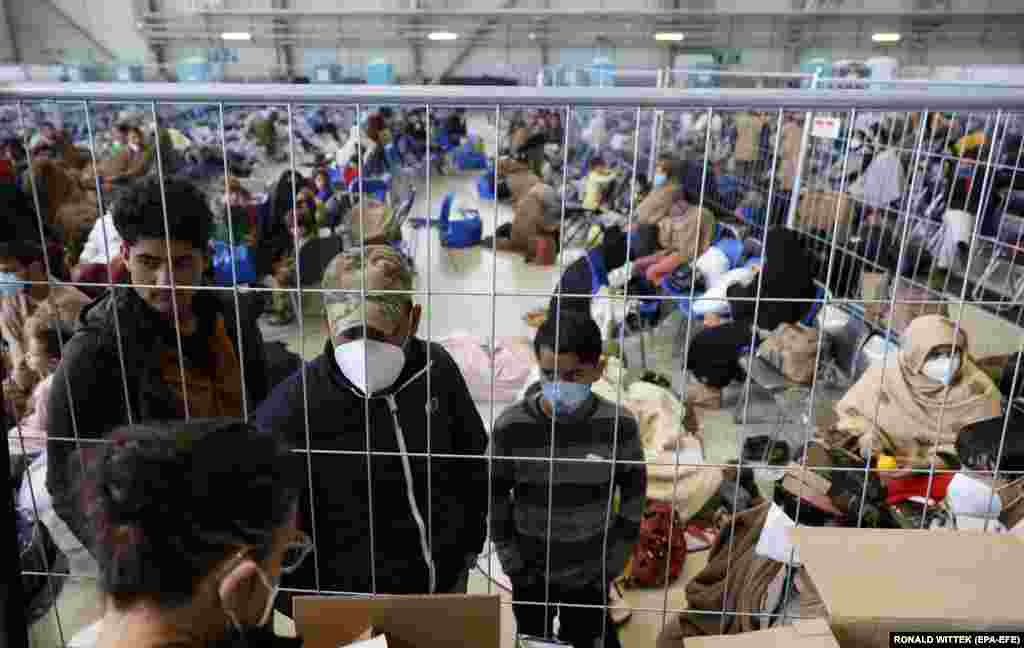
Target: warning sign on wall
825,127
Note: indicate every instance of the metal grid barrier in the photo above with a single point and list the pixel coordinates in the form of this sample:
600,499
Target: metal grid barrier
916,109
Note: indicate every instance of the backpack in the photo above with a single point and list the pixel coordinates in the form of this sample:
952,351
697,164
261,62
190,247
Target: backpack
652,559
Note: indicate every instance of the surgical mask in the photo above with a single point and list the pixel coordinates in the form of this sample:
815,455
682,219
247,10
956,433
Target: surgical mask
11,284
660,179
370,365
942,369
565,397
268,609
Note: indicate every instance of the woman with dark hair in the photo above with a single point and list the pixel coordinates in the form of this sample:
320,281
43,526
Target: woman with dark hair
194,522
783,293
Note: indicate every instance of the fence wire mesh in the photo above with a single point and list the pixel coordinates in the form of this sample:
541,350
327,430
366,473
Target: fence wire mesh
895,204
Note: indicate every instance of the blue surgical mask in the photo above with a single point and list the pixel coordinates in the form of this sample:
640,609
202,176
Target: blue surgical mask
565,397
660,179
11,284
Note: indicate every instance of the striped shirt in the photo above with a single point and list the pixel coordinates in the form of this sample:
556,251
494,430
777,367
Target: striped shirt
583,518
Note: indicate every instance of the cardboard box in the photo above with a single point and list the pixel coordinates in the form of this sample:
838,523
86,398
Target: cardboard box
811,633
407,621
877,581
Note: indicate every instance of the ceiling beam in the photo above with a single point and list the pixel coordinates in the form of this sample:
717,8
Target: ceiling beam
85,33
478,33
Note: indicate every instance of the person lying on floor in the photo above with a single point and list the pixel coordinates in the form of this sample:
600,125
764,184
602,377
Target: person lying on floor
912,405
786,274
590,543
517,177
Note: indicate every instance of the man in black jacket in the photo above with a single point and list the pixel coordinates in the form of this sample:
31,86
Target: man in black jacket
122,365
413,520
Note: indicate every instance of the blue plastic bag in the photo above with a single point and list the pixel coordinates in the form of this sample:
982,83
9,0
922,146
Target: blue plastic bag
245,265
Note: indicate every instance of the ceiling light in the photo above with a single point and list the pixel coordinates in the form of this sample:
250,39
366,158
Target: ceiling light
442,36
236,36
674,37
886,38
533,36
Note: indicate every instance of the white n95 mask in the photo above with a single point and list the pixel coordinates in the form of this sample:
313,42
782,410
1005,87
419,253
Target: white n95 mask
943,369
370,365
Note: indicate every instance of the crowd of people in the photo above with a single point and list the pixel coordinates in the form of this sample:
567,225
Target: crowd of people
195,484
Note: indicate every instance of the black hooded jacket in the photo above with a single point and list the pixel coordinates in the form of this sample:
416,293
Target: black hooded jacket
450,486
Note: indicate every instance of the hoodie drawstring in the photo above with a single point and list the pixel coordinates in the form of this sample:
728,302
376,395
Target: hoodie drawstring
413,506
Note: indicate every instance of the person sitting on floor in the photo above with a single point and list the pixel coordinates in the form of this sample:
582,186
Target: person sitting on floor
666,192
915,404
517,177
123,362
210,581
130,162
586,275
535,226
598,180
22,261
369,386
786,274
592,544
46,334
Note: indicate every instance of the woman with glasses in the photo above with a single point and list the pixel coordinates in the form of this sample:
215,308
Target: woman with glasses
194,525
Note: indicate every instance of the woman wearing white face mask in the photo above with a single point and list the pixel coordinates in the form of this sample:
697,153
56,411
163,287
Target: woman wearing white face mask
379,388
918,401
195,523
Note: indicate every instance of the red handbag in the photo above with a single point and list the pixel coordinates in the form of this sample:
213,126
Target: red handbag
655,556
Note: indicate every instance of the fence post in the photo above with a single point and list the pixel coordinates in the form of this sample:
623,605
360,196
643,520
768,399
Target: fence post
13,624
805,139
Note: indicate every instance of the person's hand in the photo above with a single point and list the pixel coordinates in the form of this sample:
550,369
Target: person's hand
711,320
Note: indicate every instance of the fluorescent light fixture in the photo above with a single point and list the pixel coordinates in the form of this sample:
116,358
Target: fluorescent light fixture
886,38
442,36
673,37
236,36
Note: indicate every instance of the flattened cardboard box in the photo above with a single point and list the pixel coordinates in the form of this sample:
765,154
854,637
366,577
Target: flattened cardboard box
812,633
877,581
437,621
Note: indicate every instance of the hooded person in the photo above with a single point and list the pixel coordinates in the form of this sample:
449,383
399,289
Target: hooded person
782,295
425,522
537,216
911,405
586,275
667,190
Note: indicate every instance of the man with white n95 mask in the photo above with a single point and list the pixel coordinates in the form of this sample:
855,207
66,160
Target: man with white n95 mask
413,520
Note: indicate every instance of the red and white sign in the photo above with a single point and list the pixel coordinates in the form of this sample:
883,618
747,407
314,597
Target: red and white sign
825,127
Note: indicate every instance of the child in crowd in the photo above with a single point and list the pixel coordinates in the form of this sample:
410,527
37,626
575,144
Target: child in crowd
597,183
45,334
589,542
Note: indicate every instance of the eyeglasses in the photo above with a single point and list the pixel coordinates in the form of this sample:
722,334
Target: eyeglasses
299,546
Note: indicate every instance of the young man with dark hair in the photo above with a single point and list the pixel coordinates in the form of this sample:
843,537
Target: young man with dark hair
588,543
127,341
